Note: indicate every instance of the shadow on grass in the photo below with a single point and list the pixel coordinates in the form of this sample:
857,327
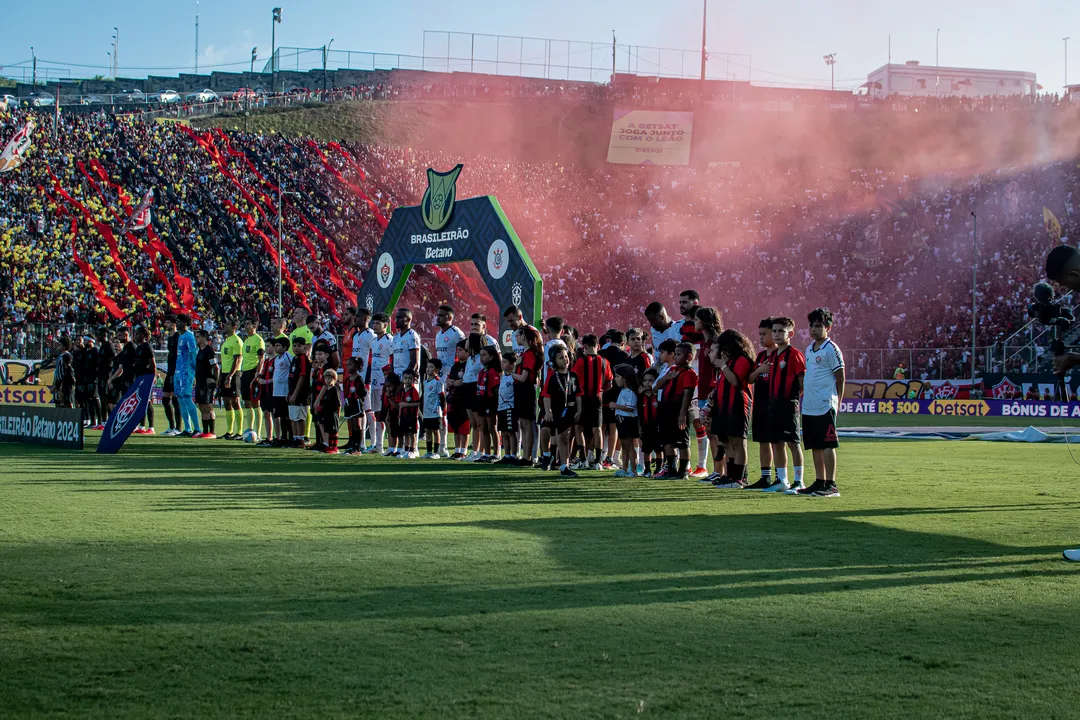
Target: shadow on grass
600,562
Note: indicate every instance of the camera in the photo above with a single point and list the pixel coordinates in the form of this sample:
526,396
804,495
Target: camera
1047,312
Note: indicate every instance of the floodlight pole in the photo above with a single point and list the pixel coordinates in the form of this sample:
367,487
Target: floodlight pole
974,288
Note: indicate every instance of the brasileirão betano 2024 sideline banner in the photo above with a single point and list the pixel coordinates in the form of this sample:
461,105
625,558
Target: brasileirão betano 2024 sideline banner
650,137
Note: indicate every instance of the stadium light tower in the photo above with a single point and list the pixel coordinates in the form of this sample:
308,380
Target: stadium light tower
830,60
273,48
1066,41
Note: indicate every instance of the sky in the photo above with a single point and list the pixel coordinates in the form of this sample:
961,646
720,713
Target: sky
784,39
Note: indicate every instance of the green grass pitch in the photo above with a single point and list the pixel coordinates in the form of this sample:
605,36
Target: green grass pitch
211,579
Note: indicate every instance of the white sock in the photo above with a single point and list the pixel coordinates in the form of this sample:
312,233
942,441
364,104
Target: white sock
640,457
702,450
798,474
380,430
781,474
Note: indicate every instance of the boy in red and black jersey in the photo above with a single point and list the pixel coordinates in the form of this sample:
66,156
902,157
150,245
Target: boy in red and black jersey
732,355
457,409
594,377
759,422
355,392
649,416
299,387
262,389
679,385
408,404
785,370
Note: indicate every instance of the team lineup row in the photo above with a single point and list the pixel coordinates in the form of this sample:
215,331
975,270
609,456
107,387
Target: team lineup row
555,400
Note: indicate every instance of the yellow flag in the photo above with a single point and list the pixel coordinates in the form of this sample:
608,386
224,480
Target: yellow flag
1053,227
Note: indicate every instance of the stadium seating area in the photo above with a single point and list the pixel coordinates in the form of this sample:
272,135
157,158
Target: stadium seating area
889,253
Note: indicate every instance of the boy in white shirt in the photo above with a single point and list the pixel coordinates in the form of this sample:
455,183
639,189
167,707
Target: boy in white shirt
433,405
823,386
505,419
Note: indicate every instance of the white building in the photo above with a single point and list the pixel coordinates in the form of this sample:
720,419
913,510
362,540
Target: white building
915,80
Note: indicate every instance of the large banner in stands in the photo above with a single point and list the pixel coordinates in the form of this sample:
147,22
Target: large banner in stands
965,408
650,137
908,389
1028,386
58,427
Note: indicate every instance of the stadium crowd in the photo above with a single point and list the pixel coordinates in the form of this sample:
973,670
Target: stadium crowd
888,252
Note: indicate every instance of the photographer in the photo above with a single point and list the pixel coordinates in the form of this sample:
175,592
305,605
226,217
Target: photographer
1063,267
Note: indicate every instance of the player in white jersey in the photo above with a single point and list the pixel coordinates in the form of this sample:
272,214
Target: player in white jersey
382,349
446,341
661,328
406,344
823,386
516,321
363,340
478,325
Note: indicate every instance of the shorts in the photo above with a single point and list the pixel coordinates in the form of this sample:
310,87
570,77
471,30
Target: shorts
524,402
819,431
486,407
298,413
434,424
562,420
246,376
280,405
204,396
670,433
329,423
103,388
759,423
650,440
366,405
409,423
228,392
505,423
352,408
607,415
628,427
590,413
457,422
783,421
168,387
467,395
62,397
729,425
374,397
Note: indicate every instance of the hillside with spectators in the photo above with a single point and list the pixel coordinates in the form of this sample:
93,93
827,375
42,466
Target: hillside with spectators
888,249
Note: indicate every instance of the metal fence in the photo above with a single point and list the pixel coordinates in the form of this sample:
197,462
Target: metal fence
519,56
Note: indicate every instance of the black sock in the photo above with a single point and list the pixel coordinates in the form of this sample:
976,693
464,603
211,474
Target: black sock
205,425
169,414
729,468
766,472
738,471
210,424
176,411
669,462
429,445
684,463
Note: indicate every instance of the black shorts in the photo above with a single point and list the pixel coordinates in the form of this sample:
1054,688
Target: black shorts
228,392
590,413
628,428
783,421
168,385
759,422
728,425
103,389
607,415
506,421
561,420
468,396
246,376
353,408
650,440
203,395
329,422
280,407
670,433
524,401
819,431
433,424
62,397
486,407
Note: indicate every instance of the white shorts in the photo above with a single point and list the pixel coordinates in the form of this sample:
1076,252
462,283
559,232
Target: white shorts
298,413
367,402
374,403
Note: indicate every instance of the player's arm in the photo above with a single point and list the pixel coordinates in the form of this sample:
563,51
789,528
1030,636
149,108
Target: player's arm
840,376
663,380
232,371
687,398
730,376
760,370
414,360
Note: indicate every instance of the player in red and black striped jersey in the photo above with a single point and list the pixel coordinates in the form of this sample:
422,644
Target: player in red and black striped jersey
649,415
678,385
759,422
355,391
732,356
594,377
785,370
263,388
